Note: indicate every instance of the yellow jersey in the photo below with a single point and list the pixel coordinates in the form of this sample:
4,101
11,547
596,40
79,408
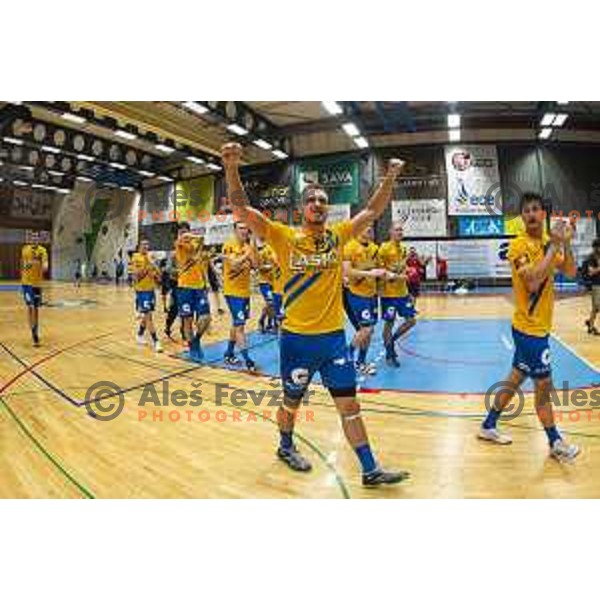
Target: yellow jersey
190,264
363,258
533,311
144,272
236,281
277,278
34,259
266,265
311,267
392,257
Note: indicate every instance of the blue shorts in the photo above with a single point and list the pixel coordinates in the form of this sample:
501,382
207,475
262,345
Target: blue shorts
361,310
404,307
532,355
278,306
266,289
32,295
145,302
303,355
239,308
192,302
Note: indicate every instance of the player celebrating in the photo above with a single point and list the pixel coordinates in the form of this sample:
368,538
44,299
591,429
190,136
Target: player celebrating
277,294
266,266
192,299
239,258
313,336
34,264
146,276
395,299
360,297
534,259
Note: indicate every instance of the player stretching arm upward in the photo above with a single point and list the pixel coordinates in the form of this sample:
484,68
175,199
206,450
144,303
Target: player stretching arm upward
312,337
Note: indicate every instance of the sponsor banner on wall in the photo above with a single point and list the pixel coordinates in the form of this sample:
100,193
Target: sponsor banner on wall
195,198
480,226
421,218
215,230
473,180
475,258
339,177
337,213
31,204
423,174
269,187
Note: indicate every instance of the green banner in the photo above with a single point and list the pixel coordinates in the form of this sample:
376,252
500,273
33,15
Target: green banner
195,198
340,177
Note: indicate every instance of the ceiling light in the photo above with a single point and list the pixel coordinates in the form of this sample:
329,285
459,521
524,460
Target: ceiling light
213,167
165,178
361,142
547,119
118,166
237,129
73,118
279,154
26,167
545,133
560,119
195,107
351,129
12,140
195,159
262,144
51,149
56,173
163,148
454,135
86,157
17,182
82,178
126,135
147,173
453,120
332,107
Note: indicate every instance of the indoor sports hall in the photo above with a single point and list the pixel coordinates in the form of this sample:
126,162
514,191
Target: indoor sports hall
92,412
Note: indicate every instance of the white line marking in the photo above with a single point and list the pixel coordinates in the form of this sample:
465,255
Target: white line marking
581,358
509,345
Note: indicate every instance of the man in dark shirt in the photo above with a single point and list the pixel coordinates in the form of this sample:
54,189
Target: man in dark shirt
593,275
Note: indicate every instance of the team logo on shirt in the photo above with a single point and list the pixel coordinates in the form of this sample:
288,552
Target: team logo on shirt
315,253
299,377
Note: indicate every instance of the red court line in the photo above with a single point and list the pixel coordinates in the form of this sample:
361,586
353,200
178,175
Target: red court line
48,357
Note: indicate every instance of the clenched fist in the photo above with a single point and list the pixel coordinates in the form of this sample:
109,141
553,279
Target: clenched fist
231,155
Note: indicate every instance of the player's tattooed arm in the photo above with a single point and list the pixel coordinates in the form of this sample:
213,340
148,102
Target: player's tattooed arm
231,155
379,200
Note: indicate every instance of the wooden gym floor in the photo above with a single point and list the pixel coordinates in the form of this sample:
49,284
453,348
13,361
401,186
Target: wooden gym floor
50,447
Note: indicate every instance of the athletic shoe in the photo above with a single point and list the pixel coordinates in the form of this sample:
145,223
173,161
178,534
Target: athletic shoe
564,452
158,347
369,369
231,360
380,477
140,340
251,366
293,459
591,328
392,361
493,435
36,342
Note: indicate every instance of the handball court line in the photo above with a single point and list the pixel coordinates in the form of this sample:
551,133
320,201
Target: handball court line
30,368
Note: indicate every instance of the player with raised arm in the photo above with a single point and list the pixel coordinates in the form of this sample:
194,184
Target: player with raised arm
312,337
192,298
534,258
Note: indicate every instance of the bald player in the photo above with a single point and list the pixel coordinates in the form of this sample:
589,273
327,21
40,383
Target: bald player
312,338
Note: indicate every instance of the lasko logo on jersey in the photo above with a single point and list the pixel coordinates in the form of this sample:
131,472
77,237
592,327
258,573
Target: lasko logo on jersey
324,254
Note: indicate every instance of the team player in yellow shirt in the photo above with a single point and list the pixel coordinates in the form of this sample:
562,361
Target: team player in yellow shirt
266,273
239,258
192,297
34,264
312,337
277,294
146,276
360,294
395,299
534,258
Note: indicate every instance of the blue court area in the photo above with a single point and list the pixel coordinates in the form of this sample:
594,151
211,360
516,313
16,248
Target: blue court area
455,356
8,287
